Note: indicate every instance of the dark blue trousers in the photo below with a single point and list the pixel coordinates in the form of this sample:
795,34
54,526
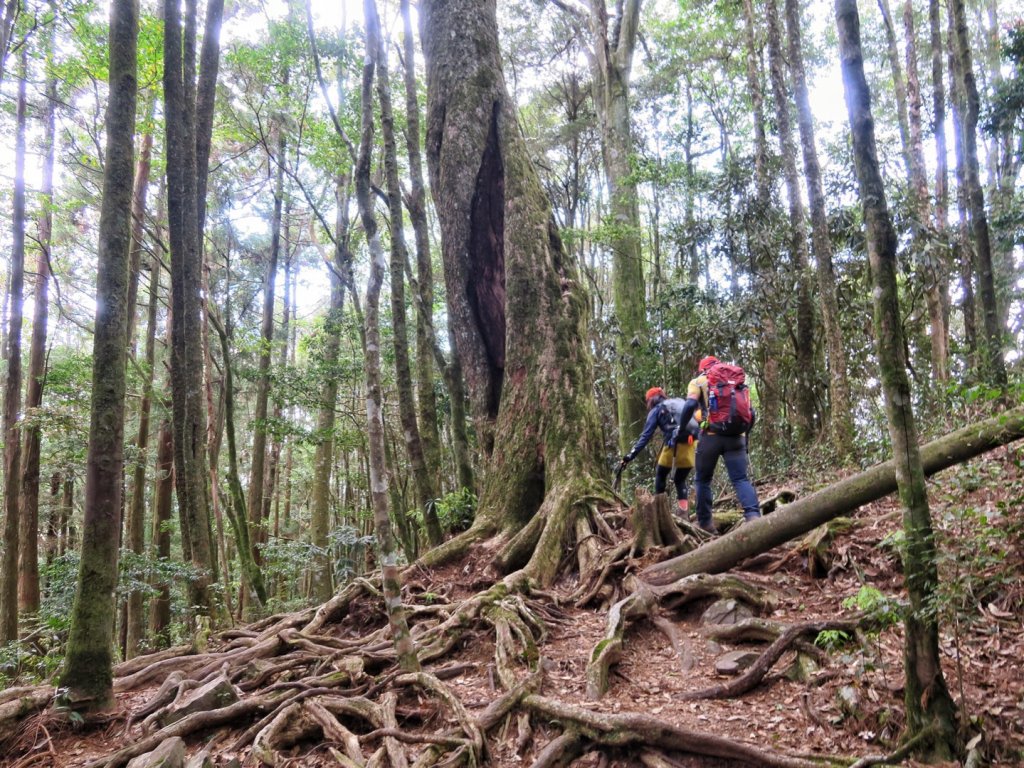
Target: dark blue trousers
733,450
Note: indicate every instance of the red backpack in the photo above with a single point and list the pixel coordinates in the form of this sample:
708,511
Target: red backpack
729,411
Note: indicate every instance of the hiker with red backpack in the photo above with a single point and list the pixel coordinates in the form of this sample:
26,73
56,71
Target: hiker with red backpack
720,392
664,412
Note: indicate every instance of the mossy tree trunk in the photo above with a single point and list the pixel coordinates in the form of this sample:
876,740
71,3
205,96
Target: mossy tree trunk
516,302
928,703
188,117
88,671
12,390
135,527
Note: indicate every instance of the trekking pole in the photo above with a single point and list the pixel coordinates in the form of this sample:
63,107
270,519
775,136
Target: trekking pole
618,476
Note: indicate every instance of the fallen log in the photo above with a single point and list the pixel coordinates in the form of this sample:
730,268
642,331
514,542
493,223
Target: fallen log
803,515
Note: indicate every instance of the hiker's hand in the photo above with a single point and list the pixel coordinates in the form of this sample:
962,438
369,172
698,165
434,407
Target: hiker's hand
627,458
671,442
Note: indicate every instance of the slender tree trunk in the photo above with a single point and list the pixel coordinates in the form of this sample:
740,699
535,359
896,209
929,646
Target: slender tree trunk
612,61
28,573
136,526
805,401
841,421
933,269
898,83
962,245
939,121
88,671
386,546
67,509
257,533
323,460
254,589
992,353
763,254
12,390
426,488
160,540
423,290
927,699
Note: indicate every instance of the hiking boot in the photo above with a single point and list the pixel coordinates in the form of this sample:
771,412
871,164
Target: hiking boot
683,511
709,528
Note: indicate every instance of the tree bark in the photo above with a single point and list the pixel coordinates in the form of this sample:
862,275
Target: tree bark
426,489
962,246
386,545
840,419
187,157
88,671
612,61
136,527
12,389
160,539
993,364
805,400
416,201
928,703
28,571
506,267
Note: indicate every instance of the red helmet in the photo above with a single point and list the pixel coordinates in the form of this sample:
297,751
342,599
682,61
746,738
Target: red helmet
654,392
706,363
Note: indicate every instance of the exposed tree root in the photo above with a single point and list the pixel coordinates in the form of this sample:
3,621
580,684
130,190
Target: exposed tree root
621,730
646,600
749,679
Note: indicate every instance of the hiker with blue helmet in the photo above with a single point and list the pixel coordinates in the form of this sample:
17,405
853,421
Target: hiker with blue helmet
664,413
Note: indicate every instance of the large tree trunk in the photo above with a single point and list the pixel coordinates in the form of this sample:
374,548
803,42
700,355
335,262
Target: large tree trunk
763,261
841,408
28,571
12,389
187,157
928,703
386,545
992,354
88,671
804,399
506,268
426,487
612,61
841,498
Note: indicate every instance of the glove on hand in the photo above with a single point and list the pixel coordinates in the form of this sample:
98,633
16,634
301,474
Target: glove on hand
628,458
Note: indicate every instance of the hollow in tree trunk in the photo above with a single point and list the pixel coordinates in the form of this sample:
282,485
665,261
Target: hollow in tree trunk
516,301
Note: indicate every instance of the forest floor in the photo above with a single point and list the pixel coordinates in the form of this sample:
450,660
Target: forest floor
851,706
